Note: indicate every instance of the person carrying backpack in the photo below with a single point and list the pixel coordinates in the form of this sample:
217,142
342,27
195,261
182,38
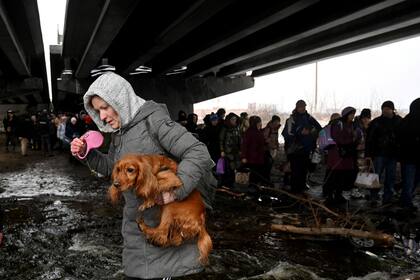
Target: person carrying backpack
300,133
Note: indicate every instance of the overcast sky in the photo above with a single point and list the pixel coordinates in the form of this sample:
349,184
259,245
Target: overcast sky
362,79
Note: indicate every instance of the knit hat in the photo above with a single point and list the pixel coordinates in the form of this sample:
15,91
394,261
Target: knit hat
300,103
347,111
388,104
366,113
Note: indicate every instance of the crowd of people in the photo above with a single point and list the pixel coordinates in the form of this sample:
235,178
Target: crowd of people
241,141
349,144
385,145
44,131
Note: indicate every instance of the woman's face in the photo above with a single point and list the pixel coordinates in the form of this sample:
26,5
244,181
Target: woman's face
259,125
106,112
350,117
365,122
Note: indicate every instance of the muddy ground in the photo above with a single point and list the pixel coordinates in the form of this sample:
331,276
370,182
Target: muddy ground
60,225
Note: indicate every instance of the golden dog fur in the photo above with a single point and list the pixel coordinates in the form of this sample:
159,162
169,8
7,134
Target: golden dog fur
150,176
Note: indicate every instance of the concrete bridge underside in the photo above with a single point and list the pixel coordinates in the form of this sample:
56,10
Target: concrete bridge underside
217,41
23,77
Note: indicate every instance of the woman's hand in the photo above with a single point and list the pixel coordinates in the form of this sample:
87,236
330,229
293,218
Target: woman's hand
78,147
165,198
244,161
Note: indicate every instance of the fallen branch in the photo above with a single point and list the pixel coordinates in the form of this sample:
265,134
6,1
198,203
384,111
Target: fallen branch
377,236
306,200
230,192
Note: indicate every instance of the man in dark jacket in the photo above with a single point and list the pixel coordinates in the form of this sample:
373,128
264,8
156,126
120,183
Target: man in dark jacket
382,148
210,137
300,133
44,128
409,140
9,124
23,132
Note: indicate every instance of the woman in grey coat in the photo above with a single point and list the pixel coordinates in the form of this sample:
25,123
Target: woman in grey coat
144,127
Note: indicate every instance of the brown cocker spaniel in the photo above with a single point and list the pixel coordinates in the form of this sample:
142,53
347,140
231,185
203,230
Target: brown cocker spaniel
150,176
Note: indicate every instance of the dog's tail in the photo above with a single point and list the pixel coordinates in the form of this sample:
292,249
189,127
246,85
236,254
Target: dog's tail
205,245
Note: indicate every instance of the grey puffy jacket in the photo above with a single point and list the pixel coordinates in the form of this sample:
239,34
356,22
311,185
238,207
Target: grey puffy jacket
148,129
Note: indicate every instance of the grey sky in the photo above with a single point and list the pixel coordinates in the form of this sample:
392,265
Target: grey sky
361,79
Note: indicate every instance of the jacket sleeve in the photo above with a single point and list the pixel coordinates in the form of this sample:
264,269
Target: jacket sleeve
370,139
222,136
287,131
244,147
266,133
315,124
100,162
194,158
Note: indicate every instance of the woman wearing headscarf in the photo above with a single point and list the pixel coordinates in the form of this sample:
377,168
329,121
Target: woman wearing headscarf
252,150
341,159
230,148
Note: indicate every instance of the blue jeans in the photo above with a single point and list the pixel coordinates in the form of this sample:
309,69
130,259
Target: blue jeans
389,165
411,179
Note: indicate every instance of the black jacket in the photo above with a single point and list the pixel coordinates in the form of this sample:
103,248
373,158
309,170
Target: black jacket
409,135
382,137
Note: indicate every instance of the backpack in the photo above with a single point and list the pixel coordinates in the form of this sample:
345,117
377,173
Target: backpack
324,138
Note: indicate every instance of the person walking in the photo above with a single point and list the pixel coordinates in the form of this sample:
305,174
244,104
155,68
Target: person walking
144,127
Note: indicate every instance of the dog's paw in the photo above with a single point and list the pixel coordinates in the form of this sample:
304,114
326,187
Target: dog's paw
168,180
146,205
159,241
140,224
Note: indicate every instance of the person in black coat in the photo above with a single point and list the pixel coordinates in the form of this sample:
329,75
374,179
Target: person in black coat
382,148
9,124
210,137
409,142
24,133
191,125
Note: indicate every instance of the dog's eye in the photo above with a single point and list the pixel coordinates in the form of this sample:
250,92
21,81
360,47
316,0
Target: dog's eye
130,170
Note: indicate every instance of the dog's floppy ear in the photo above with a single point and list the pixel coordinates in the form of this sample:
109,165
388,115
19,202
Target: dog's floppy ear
114,194
146,182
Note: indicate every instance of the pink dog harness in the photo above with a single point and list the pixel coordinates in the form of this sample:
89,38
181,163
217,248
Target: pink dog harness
93,139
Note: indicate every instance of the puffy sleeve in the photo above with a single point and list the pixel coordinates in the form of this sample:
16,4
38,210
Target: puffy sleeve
194,158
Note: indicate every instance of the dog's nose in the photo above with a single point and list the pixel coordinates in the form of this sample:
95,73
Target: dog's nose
116,183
